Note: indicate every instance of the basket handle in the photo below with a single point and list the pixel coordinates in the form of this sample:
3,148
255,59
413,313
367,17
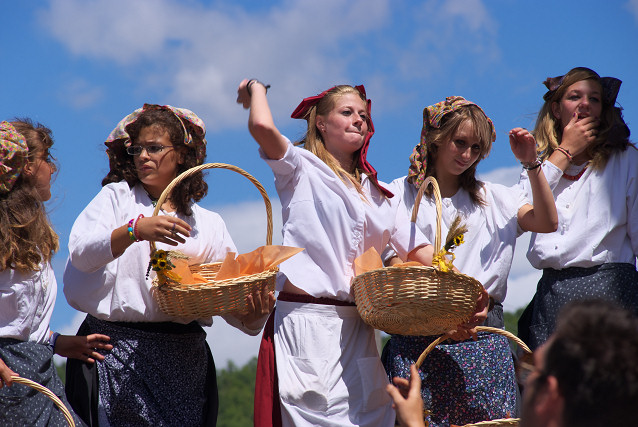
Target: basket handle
199,168
439,208
48,393
499,331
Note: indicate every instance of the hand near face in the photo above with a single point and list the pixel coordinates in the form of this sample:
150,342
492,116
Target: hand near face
523,145
83,347
578,134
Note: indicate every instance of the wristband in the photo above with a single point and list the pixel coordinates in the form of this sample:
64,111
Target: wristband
566,152
532,165
253,81
53,337
130,230
135,234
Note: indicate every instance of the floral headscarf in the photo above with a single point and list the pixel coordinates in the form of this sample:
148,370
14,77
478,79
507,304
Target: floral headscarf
302,111
432,117
191,124
13,156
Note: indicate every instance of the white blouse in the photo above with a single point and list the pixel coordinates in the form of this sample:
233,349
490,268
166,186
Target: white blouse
116,289
597,215
488,247
333,223
26,303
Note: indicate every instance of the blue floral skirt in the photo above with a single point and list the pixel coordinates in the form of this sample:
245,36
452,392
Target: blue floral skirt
462,382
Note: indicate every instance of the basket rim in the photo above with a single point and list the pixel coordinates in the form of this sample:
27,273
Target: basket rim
242,172
48,393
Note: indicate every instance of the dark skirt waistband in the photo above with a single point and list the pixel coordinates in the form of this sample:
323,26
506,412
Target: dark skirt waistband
309,299
571,272
156,327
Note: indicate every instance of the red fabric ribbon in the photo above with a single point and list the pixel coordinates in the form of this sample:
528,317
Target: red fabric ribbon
302,111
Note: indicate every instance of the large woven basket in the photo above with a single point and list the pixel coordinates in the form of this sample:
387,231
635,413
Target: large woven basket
416,300
490,423
48,393
213,297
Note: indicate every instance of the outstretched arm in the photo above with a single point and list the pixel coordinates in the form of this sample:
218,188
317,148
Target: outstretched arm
541,217
252,95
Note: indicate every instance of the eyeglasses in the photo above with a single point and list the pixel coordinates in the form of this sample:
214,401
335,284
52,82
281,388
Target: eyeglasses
136,150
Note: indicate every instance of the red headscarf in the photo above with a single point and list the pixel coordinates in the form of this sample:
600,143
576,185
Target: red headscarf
301,112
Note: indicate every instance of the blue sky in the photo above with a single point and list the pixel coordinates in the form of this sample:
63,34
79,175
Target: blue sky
79,66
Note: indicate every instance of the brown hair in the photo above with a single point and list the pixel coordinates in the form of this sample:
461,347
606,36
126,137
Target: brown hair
27,239
449,125
613,133
122,166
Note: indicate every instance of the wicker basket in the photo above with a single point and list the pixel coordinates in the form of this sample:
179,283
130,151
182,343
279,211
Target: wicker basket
213,297
416,300
492,423
48,393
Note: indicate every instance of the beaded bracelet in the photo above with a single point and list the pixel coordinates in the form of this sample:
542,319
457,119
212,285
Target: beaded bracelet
532,165
130,230
566,152
137,236
253,81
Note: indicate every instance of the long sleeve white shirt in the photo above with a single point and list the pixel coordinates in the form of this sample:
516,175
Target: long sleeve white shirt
26,303
489,243
597,216
333,223
116,289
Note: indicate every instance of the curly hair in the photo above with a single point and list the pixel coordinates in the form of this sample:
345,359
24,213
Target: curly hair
449,125
593,356
613,133
27,239
122,166
313,141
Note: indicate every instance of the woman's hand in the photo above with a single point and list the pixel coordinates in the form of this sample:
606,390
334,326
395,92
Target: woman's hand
467,330
82,347
5,374
163,229
523,145
578,134
243,97
260,305
407,400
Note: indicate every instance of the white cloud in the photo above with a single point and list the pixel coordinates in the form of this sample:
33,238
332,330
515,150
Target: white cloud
198,54
81,94
632,6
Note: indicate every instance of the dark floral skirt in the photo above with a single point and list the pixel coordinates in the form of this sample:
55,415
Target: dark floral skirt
462,382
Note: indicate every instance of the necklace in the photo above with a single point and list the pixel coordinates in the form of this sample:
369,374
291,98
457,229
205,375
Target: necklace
577,176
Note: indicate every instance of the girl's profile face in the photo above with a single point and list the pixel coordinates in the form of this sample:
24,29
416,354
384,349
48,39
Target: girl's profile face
39,172
157,163
583,98
459,153
345,127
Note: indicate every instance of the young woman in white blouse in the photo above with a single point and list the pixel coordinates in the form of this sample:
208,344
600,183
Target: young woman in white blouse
328,370
161,370
592,169
470,380
27,283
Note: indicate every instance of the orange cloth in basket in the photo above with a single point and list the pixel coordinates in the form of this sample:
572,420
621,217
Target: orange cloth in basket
371,260
261,259
183,271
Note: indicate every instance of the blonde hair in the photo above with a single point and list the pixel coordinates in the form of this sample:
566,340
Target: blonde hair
27,238
449,125
613,134
313,141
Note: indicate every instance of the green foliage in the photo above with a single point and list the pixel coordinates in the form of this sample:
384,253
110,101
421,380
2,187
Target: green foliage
236,394
61,370
511,320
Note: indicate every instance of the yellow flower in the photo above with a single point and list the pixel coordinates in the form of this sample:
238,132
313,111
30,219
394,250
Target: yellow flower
458,240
